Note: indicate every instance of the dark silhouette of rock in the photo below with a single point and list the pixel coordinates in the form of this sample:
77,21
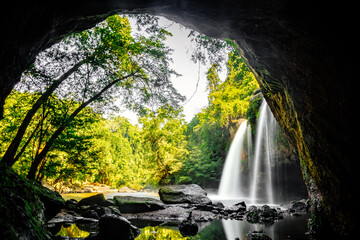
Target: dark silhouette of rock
114,227
188,229
98,199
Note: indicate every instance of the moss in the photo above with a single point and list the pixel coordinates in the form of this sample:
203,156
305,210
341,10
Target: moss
252,113
22,212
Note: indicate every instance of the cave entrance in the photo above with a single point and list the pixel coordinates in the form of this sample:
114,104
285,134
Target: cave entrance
76,136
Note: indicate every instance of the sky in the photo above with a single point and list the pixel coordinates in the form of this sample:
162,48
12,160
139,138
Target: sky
182,64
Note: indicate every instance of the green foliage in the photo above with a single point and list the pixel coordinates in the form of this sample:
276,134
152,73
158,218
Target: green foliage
92,68
209,132
65,92
110,151
252,113
165,142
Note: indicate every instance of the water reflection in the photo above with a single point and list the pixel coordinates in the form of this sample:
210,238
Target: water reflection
160,233
290,227
72,231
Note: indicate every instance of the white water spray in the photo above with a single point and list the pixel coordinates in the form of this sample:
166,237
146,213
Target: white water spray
230,184
263,140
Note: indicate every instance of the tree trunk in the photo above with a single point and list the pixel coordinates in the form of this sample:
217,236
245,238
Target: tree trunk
38,159
9,156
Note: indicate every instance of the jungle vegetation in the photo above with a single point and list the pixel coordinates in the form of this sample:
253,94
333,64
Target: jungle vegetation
55,128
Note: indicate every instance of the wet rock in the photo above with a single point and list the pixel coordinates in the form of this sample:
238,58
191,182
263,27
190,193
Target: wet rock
188,229
258,235
53,201
66,218
263,214
71,204
238,207
22,211
129,204
191,193
218,204
113,226
204,207
298,206
98,199
174,213
90,214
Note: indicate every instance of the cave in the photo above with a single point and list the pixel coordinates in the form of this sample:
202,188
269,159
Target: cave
299,52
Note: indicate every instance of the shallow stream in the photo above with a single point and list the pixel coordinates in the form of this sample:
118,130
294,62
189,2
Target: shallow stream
291,227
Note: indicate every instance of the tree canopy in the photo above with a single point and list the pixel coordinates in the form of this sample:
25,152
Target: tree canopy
59,132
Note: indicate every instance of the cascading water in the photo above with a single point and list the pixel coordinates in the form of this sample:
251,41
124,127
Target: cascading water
257,173
263,146
230,184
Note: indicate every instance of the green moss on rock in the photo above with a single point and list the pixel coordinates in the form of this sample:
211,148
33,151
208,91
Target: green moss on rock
22,211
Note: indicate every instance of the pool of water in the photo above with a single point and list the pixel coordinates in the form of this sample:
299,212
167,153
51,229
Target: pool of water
291,228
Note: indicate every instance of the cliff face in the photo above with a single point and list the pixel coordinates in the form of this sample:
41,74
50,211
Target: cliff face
298,50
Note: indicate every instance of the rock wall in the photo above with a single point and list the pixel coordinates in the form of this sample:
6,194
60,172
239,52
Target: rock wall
298,50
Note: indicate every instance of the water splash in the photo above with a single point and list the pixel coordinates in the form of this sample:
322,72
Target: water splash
263,146
230,184
248,170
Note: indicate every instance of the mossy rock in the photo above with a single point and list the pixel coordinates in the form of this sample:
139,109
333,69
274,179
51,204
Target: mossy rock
22,212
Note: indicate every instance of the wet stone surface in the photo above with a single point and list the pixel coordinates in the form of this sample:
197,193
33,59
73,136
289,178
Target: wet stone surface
140,212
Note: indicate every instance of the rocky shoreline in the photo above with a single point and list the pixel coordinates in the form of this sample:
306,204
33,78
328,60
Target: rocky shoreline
184,206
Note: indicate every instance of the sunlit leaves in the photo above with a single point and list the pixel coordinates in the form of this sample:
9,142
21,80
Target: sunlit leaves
164,135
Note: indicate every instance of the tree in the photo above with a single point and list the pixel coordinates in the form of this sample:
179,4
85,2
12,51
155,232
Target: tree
164,135
95,66
208,133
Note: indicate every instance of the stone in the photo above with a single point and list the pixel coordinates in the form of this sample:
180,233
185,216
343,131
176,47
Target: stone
71,204
258,235
53,201
90,214
263,214
298,206
114,227
172,213
238,207
188,229
218,204
191,193
130,204
98,199
22,213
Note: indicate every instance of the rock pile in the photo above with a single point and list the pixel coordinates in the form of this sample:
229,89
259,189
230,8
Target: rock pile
185,206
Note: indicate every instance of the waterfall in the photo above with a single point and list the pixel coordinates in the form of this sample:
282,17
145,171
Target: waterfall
263,141
248,172
230,184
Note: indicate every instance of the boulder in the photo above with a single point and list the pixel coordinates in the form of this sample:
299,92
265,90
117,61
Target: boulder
218,204
258,235
188,229
238,207
22,213
263,214
130,204
191,193
71,204
113,226
98,199
53,201
90,214
298,206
